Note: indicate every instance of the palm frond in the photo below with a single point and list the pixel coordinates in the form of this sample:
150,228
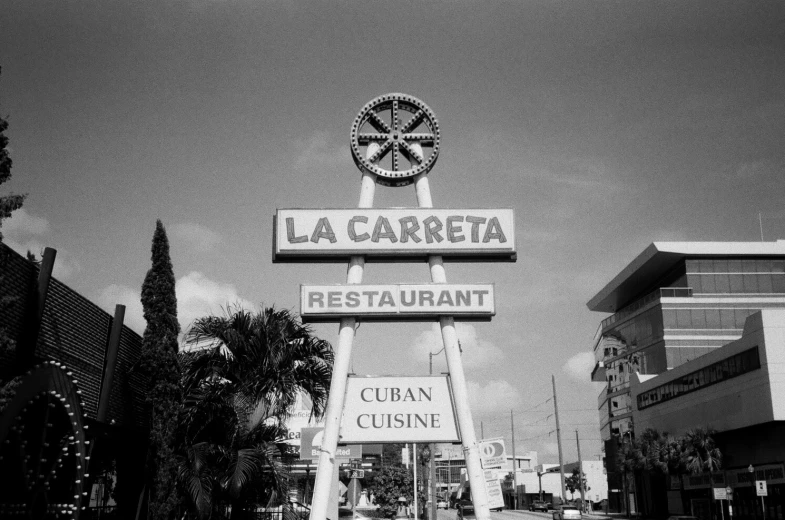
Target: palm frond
194,474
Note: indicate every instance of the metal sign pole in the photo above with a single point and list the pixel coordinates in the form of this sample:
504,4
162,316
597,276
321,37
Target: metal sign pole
343,357
455,367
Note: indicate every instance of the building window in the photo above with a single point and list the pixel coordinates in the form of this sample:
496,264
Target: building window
729,368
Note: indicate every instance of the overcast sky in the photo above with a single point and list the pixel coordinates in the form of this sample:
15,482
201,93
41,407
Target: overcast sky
605,125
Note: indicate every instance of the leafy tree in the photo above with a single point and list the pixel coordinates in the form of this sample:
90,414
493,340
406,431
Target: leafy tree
391,483
9,379
159,361
10,202
573,482
242,376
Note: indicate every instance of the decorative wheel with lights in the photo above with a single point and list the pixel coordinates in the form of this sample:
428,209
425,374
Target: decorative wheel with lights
43,452
395,150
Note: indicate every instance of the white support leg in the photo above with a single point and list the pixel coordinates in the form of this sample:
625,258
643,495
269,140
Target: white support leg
343,358
455,367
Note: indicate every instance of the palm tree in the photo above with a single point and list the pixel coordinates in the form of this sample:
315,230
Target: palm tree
699,453
662,453
242,377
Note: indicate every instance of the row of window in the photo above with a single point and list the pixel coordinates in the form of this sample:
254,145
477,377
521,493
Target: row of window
725,283
718,265
722,370
637,331
705,318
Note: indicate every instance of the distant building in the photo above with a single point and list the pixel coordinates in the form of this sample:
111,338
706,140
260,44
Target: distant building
674,309
451,462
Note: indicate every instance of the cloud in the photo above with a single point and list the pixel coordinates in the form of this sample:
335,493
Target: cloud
24,232
753,169
476,353
199,296
21,223
550,448
579,366
320,151
196,235
124,295
495,397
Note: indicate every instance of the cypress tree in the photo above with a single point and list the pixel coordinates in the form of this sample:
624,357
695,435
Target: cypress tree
8,203
160,364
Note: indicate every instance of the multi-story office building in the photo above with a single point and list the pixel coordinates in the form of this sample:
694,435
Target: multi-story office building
672,304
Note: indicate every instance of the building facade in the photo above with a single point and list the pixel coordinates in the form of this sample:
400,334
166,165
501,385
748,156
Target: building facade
737,390
674,303
72,404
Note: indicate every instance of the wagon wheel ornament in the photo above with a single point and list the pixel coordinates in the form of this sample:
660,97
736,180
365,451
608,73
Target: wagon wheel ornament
394,150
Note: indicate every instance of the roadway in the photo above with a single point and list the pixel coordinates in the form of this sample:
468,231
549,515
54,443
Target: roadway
504,514
507,514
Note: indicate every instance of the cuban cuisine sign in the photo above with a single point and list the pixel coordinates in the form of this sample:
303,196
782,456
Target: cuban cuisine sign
397,302
398,409
303,235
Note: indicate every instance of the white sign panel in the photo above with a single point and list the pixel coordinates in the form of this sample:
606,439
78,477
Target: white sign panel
398,409
303,235
397,302
492,453
311,442
720,493
494,490
761,489
448,452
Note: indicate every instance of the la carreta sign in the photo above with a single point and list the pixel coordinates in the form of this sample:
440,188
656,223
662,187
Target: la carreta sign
379,234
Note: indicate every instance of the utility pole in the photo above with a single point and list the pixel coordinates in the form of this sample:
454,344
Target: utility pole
514,469
482,431
416,500
558,439
580,471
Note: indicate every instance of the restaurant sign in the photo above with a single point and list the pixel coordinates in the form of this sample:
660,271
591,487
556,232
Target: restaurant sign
382,234
398,409
397,302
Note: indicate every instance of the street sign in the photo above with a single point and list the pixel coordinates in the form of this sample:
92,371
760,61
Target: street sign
355,473
760,488
492,453
494,489
311,441
720,493
729,490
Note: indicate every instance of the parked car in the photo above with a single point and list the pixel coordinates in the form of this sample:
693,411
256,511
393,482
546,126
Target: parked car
465,509
567,513
539,505
441,504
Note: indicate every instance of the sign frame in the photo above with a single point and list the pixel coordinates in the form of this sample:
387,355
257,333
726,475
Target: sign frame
347,439
338,301
494,459
308,440
467,249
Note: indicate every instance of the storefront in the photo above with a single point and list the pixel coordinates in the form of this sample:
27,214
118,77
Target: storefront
743,502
